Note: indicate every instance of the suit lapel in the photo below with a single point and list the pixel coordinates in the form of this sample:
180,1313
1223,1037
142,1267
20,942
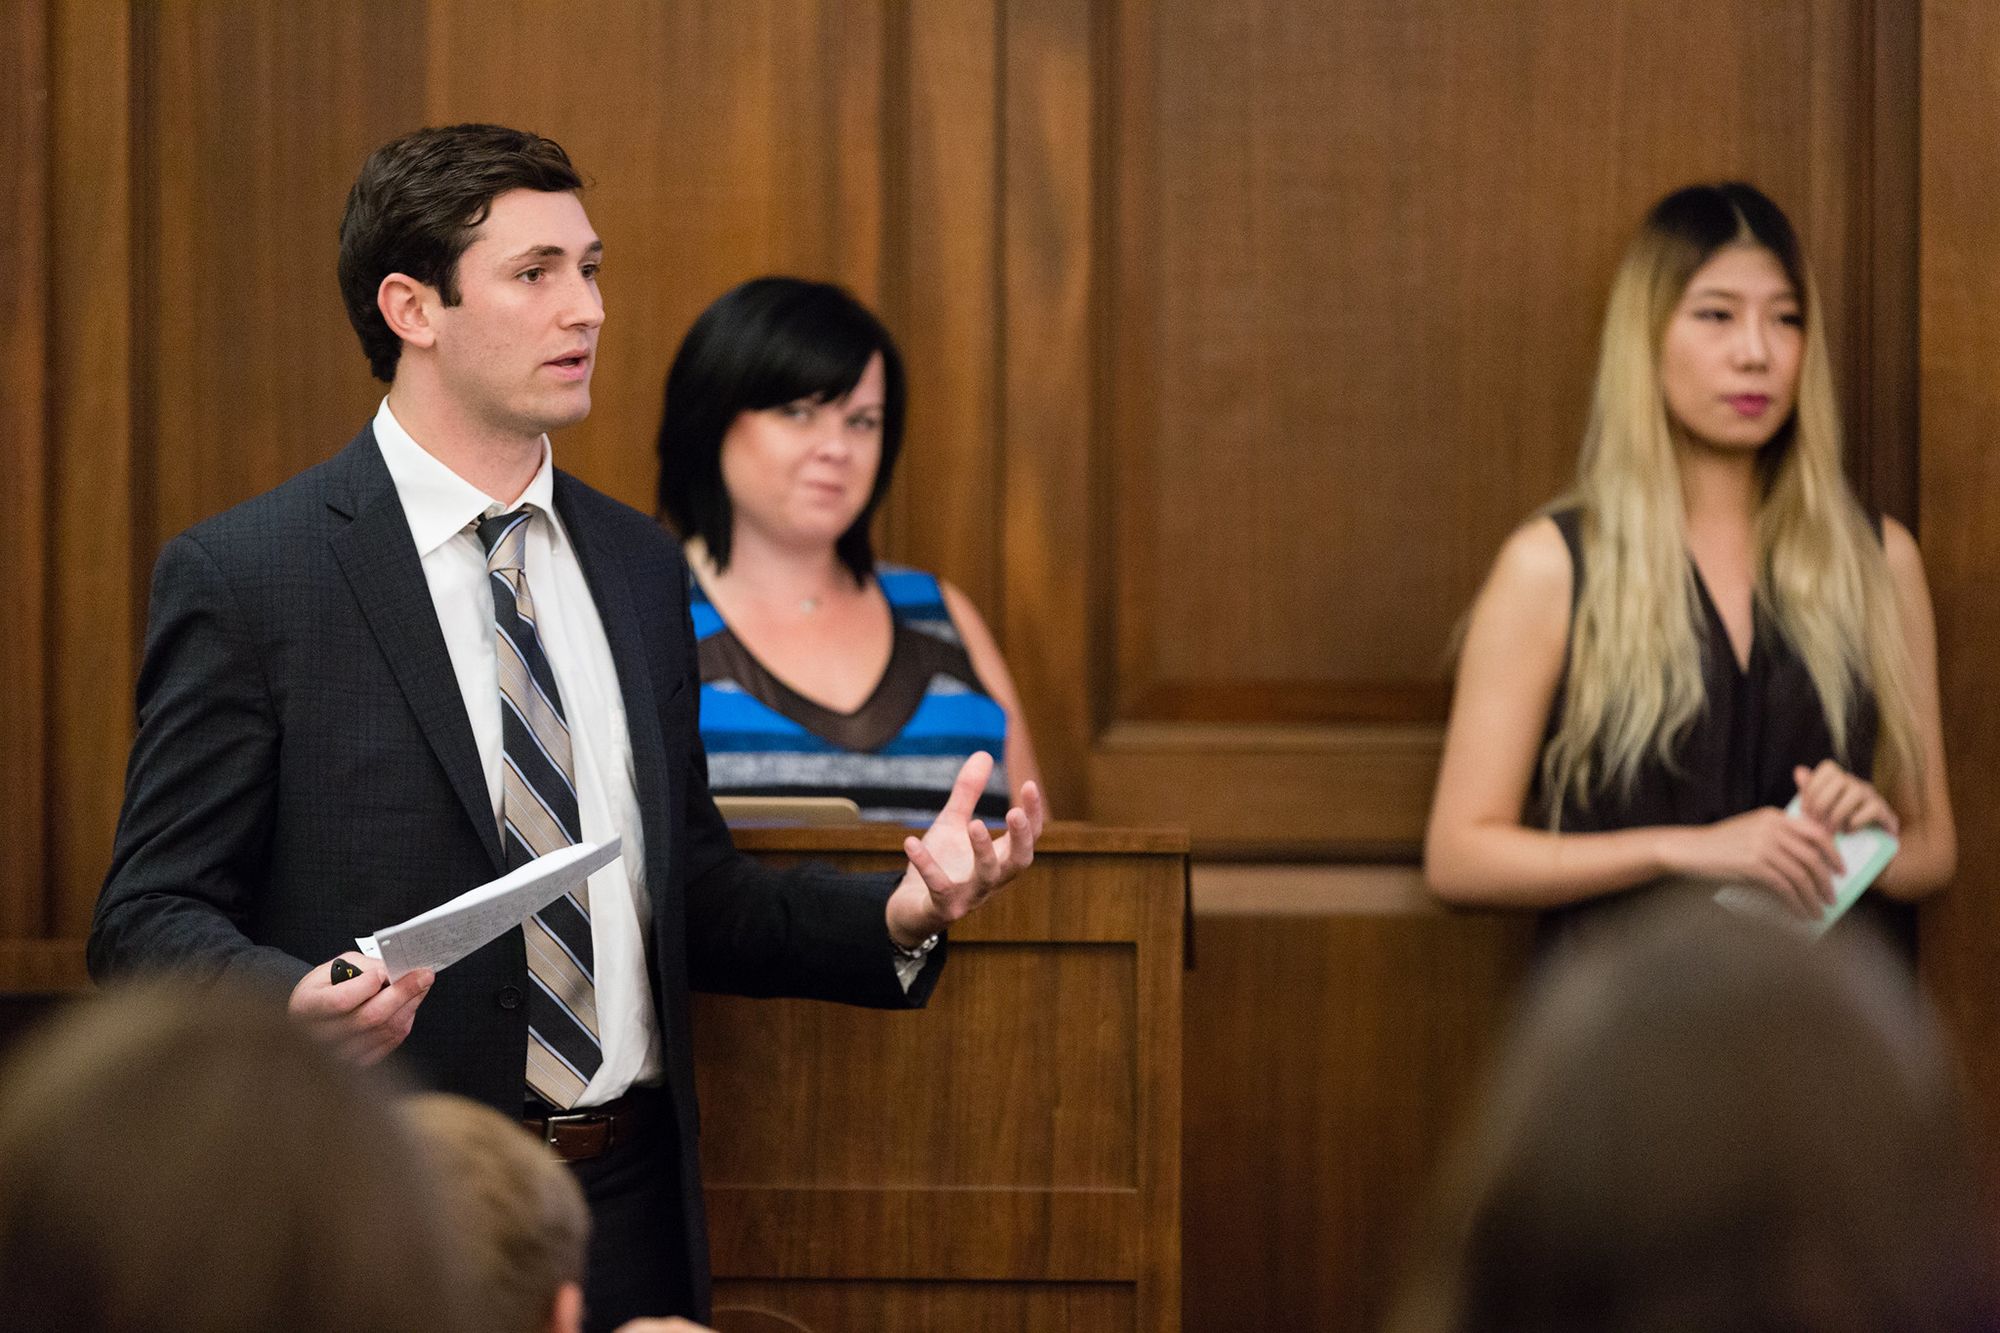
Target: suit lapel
379,558
611,589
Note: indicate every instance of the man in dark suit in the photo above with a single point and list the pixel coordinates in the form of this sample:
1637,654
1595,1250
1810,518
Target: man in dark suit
432,657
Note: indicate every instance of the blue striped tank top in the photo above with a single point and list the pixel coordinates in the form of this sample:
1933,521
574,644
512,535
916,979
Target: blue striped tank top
895,756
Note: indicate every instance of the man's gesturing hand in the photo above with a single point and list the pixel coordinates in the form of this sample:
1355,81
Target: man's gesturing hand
957,863
365,1017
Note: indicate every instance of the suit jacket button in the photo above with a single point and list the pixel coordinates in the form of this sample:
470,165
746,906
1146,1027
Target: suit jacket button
510,997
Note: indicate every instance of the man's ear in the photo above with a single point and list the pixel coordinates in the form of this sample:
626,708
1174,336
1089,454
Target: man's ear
407,307
567,1315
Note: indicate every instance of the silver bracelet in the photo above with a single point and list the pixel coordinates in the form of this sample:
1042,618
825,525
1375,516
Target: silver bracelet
918,954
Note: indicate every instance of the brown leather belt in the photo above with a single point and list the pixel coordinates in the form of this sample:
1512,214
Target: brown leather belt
578,1136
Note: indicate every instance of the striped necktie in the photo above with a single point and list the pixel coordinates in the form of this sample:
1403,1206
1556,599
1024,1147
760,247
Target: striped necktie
538,814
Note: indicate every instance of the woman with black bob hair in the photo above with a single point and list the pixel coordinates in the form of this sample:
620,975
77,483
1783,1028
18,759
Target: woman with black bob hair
822,672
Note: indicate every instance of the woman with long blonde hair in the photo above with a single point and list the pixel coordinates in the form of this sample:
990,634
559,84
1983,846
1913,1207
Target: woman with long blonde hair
1707,625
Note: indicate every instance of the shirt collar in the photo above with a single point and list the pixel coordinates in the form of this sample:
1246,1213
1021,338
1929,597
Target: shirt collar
438,503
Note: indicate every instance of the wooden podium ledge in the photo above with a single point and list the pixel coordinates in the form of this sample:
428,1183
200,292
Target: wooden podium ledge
1060,837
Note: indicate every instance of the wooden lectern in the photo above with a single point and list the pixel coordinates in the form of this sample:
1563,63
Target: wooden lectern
1007,1159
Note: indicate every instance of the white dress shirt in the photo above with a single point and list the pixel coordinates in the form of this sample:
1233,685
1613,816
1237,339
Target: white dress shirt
441,506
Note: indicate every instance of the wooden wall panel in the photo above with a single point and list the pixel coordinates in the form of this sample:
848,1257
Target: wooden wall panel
1050,386
1271,789
24,237
942,299
923,1307
722,142
1882,330
97,553
718,145
1959,496
1353,318
1373,304
1336,1025
248,369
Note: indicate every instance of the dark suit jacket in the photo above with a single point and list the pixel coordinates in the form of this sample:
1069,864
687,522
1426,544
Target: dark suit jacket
304,772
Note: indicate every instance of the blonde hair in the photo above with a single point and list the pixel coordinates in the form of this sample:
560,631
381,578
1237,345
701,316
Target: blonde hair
1634,681
522,1219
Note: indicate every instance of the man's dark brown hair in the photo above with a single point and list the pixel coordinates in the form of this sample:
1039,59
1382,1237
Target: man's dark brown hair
415,205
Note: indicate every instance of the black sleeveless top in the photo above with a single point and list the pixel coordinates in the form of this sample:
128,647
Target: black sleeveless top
1758,724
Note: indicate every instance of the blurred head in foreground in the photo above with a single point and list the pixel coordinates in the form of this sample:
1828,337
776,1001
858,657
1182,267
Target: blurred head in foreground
187,1159
1712,1123
521,1214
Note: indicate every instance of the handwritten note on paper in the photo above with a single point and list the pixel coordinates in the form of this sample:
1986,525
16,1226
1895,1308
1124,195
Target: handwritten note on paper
448,932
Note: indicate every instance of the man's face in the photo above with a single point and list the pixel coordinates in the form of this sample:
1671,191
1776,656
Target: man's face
516,352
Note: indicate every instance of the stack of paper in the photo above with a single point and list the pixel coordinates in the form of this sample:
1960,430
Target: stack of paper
449,931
